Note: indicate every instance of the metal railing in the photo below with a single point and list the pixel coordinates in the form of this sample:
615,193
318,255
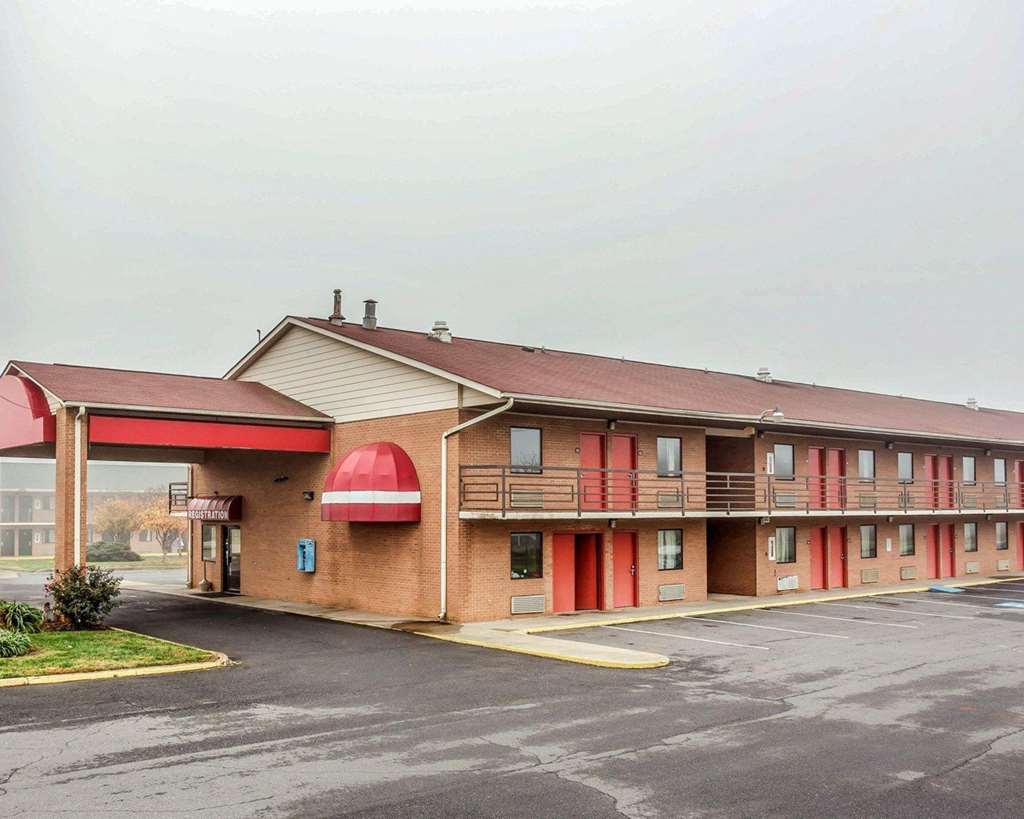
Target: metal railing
504,489
177,496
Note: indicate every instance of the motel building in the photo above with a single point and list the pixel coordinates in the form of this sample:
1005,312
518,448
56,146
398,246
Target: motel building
417,473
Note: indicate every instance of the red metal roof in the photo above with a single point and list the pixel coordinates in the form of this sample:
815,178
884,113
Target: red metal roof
511,369
97,386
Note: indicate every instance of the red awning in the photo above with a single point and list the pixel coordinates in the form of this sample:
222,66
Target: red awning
215,507
25,417
375,483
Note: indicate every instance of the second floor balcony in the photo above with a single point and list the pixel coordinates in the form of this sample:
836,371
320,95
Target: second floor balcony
562,492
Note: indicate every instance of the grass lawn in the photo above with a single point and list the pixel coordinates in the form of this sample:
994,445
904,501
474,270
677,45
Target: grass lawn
65,652
45,564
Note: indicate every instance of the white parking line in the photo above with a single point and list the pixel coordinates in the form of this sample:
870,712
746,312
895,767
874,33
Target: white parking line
1010,590
771,628
981,597
844,619
684,637
897,611
942,603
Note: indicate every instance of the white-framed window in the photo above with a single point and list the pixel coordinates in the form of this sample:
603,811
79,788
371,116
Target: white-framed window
868,541
906,539
999,470
670,549
1002,538
783,461
905,466
525,447
670,457
866,464
785,544
970,537
969,469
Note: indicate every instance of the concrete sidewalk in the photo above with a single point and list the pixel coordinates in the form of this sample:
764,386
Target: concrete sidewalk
525,635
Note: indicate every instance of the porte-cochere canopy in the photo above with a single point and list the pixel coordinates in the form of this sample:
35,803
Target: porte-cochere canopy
374,483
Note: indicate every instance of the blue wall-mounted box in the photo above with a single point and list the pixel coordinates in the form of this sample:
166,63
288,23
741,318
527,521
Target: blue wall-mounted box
305,556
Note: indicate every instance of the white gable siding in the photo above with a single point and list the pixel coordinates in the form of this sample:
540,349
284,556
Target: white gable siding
346,382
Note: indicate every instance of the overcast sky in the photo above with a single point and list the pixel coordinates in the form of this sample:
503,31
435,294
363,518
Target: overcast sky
829,189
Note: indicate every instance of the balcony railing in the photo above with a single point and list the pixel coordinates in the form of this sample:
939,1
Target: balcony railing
506,489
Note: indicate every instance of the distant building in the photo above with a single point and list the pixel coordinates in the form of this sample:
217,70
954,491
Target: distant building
27,501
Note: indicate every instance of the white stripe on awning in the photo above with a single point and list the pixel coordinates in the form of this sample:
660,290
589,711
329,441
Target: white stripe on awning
370,496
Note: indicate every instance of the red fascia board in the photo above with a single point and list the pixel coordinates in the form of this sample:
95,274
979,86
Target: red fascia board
118,430
25,417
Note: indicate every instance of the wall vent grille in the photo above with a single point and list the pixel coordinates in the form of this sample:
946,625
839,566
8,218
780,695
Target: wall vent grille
789,582
973,567
1003,565
869,575
670,591
908,572
528,604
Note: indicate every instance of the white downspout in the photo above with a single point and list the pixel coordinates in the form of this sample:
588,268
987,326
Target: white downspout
444,496
78,486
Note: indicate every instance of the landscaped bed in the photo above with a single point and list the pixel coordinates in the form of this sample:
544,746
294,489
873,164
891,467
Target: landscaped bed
67,652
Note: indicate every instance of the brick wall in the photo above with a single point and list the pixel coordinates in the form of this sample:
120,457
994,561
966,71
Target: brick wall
389,568
489,589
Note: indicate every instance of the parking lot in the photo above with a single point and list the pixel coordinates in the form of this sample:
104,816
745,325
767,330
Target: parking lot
867,707
855,636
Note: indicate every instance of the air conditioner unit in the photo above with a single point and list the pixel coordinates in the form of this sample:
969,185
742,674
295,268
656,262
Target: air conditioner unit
1002,565
785,500
869,575
973,567
908,572
789,582
670,500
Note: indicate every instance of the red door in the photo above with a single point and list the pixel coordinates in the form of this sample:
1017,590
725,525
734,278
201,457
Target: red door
818,538
931,477
816,468
836,489
624,569
586,572
947,539
592,483
1017,501
563,580
932,552
946,481
837,557
1020,545
622,481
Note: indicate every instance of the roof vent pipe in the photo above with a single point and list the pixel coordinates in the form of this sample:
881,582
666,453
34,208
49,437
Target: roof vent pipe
972,404
441,332
336,316
765,375
370,314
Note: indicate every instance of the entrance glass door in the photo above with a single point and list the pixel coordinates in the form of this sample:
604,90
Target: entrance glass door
232,558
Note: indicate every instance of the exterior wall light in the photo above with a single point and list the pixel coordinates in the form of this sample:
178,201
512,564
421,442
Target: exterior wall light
772,415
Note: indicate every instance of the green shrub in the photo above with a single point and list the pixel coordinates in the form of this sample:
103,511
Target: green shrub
84,596
20,617
13,643
110,552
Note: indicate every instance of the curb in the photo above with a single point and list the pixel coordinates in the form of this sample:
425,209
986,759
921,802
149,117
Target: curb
660,662
220,660
767,604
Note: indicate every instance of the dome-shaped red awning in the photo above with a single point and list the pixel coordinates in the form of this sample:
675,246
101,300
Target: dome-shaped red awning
375,483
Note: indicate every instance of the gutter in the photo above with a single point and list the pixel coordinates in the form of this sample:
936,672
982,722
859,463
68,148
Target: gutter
78,486
443,615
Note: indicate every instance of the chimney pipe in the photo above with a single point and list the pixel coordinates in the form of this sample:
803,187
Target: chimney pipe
441,332
370,314
336,316
765,375
972,404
